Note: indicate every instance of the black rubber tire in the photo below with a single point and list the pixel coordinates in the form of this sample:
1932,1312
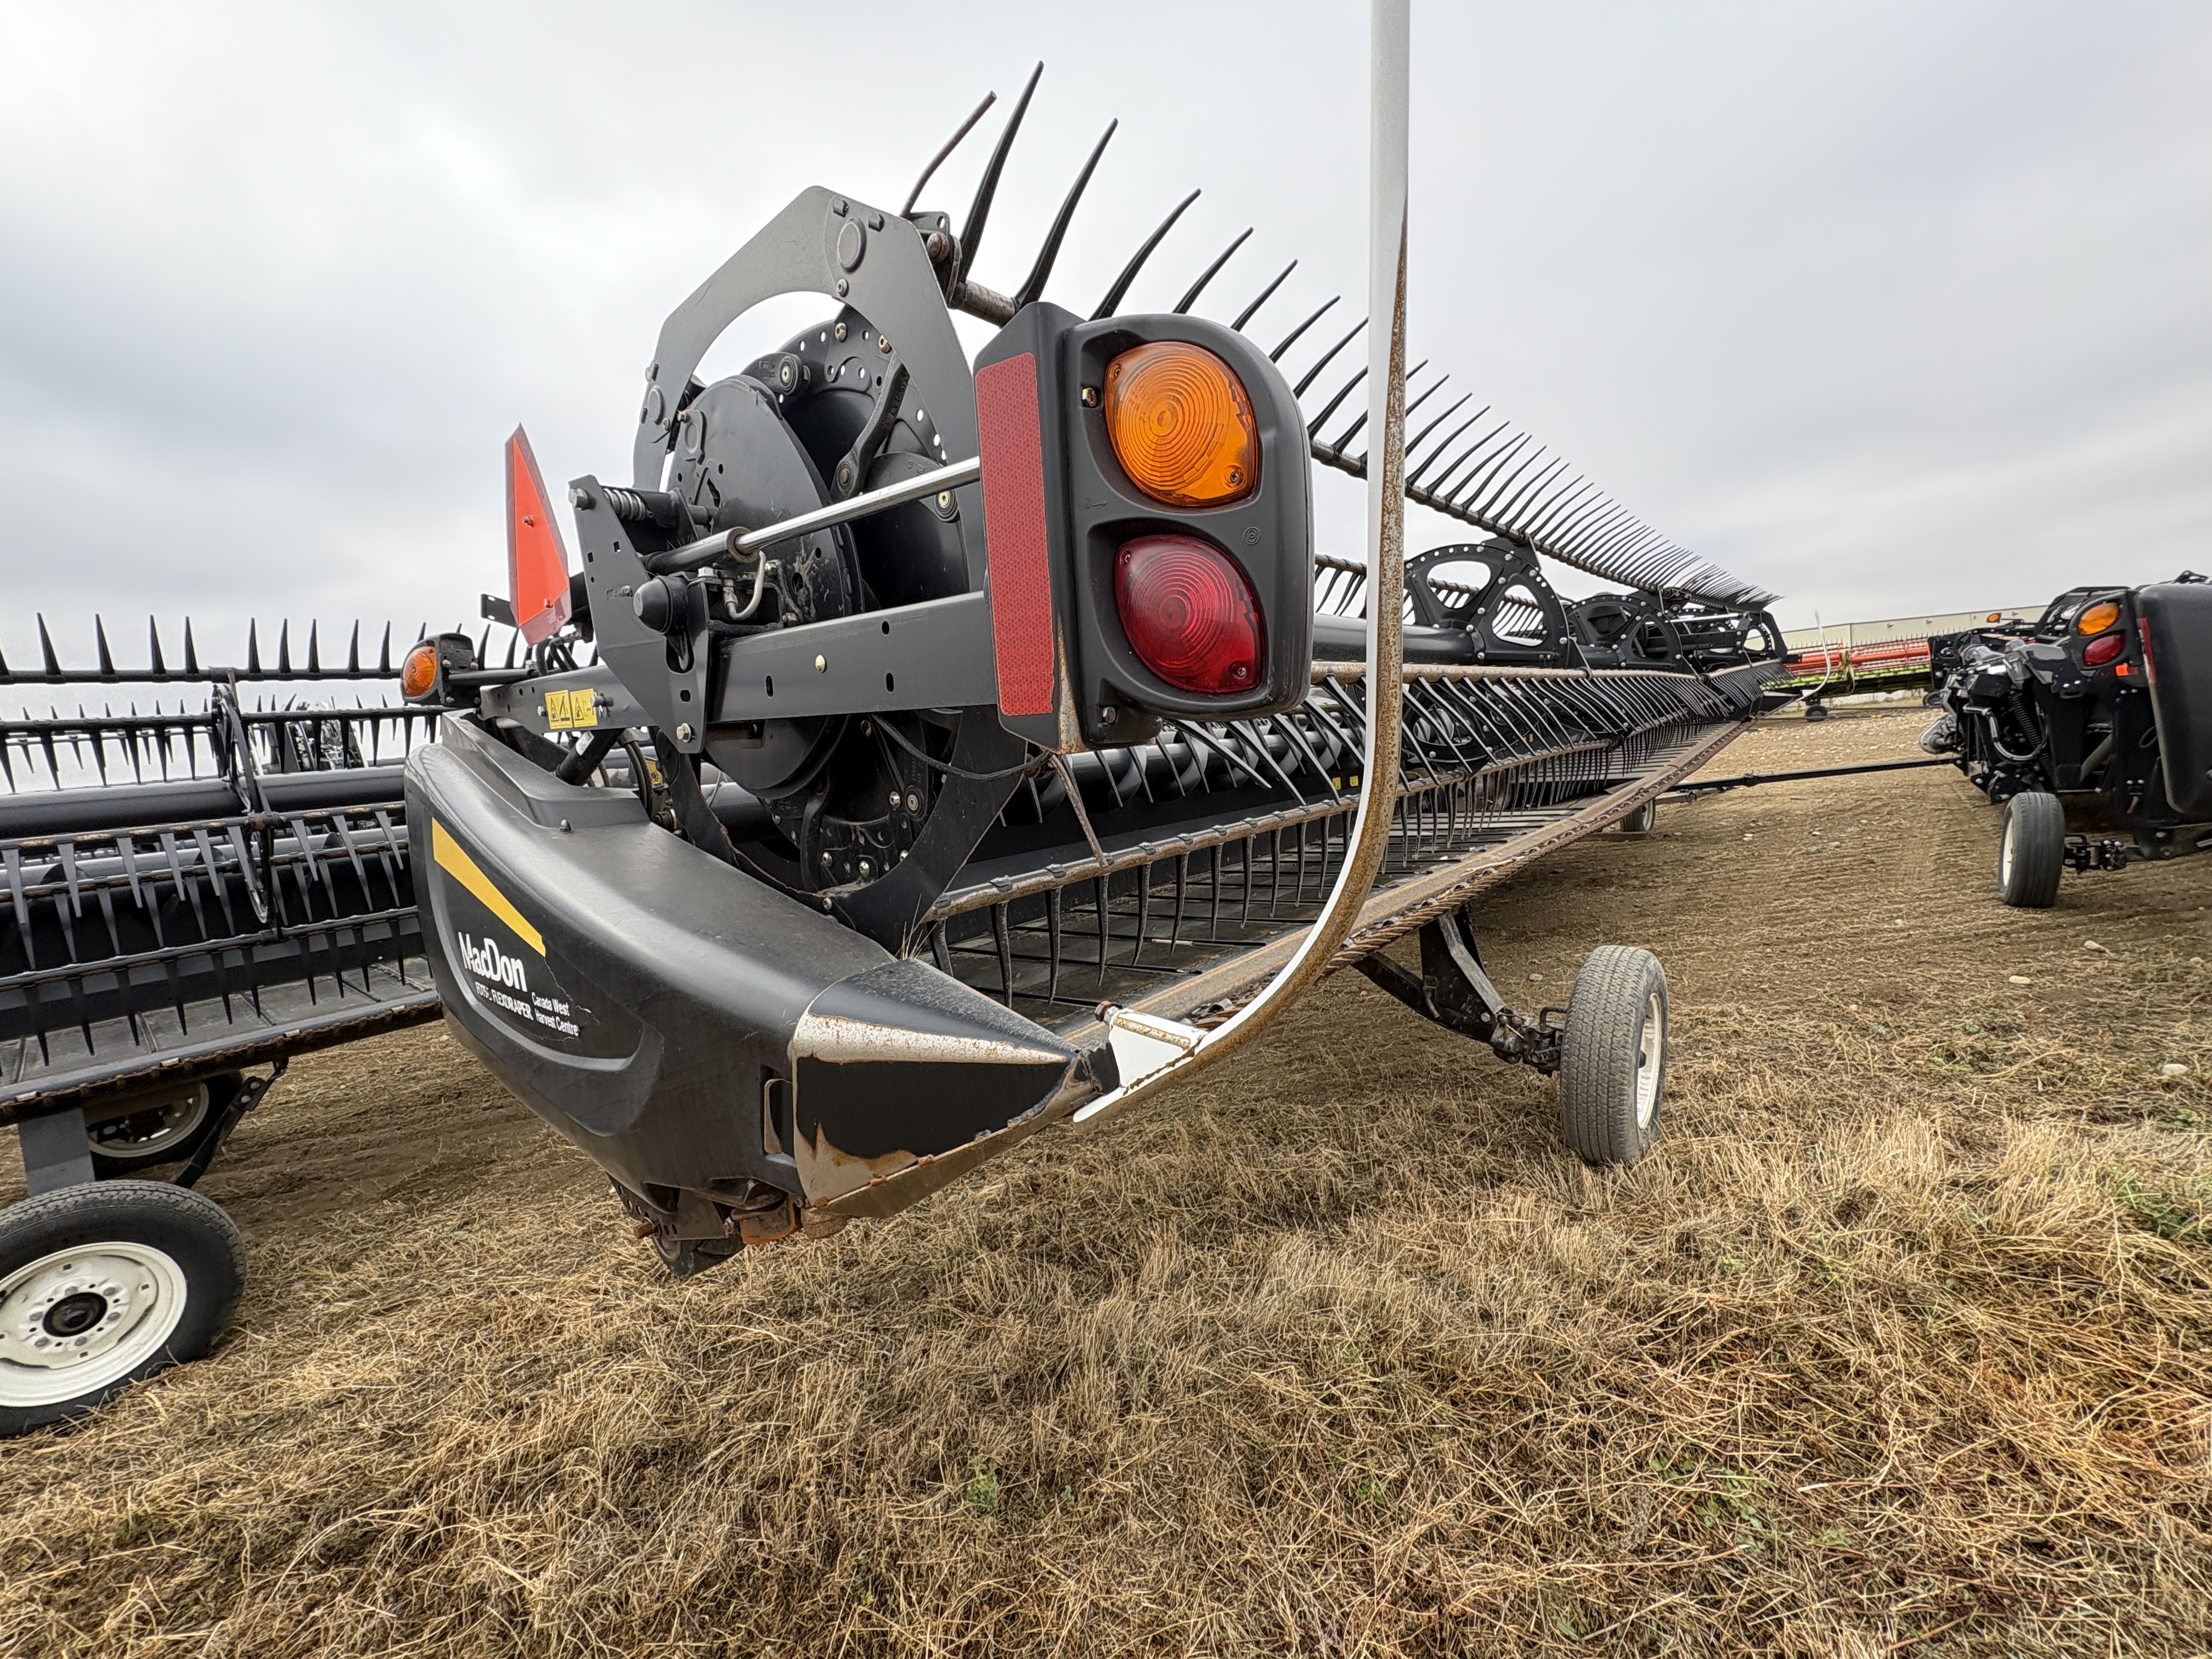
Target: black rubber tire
113,1164
192,1231
1642,820
2031,852
1605,1113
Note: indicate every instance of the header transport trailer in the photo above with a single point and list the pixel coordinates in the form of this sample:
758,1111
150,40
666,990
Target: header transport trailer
920,754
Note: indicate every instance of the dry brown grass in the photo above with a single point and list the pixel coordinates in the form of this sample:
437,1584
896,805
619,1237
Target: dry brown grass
1900,1343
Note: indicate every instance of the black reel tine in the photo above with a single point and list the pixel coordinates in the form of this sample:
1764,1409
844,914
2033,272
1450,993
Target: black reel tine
979,213
950,145
1266,294
1313,373
1114,294
1032,288
1291,339
1182,306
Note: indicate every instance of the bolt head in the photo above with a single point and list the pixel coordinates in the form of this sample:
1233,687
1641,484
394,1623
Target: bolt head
1090,395
839,332
580,497
843,287
883,345
684,734
821,664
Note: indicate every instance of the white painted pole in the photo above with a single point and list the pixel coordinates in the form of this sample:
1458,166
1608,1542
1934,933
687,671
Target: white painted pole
1175,1052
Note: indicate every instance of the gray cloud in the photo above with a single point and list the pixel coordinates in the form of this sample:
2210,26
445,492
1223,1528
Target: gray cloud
1892,306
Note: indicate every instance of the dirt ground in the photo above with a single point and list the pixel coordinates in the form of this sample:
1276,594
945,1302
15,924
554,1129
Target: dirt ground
1898,1342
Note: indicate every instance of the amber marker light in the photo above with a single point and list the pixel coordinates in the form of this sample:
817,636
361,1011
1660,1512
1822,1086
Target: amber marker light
418,670
1182,425
2098,618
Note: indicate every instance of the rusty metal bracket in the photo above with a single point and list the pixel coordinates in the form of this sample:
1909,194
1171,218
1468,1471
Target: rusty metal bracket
1454,991
248,1097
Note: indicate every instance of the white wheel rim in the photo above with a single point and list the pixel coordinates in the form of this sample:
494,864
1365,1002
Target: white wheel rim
2004,853
76,1321
172,1120
1650,1057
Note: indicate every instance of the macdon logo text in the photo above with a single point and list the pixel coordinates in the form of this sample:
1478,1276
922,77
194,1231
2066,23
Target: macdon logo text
488,961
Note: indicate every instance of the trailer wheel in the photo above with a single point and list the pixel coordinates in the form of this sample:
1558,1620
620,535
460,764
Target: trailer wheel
161,1129
1642,820
104,1283
2032,853
1613,1064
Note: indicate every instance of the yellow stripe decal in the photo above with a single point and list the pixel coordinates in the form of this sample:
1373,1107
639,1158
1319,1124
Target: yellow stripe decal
454,858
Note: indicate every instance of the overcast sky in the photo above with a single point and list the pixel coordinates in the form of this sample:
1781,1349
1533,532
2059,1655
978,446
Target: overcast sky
1892,306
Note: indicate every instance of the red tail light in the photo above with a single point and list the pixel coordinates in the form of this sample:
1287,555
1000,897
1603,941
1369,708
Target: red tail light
2098,652
1190,614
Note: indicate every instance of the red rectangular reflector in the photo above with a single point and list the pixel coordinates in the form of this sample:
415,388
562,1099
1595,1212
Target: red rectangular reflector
536,562
1019,542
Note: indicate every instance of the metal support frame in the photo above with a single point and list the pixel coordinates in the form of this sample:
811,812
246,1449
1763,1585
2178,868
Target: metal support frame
744,544
2084,854
1697,786
57,1149
1454,990
249,1095
56,1146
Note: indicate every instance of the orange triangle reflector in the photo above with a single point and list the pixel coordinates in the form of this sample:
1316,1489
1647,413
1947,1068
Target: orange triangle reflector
536,562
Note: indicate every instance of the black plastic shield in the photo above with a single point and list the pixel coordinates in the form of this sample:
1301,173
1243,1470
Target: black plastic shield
2176,623
668,1013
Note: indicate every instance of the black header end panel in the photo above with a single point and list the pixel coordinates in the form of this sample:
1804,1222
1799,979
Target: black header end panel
2176,620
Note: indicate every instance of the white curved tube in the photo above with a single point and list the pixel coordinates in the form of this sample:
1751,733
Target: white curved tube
1169,1052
